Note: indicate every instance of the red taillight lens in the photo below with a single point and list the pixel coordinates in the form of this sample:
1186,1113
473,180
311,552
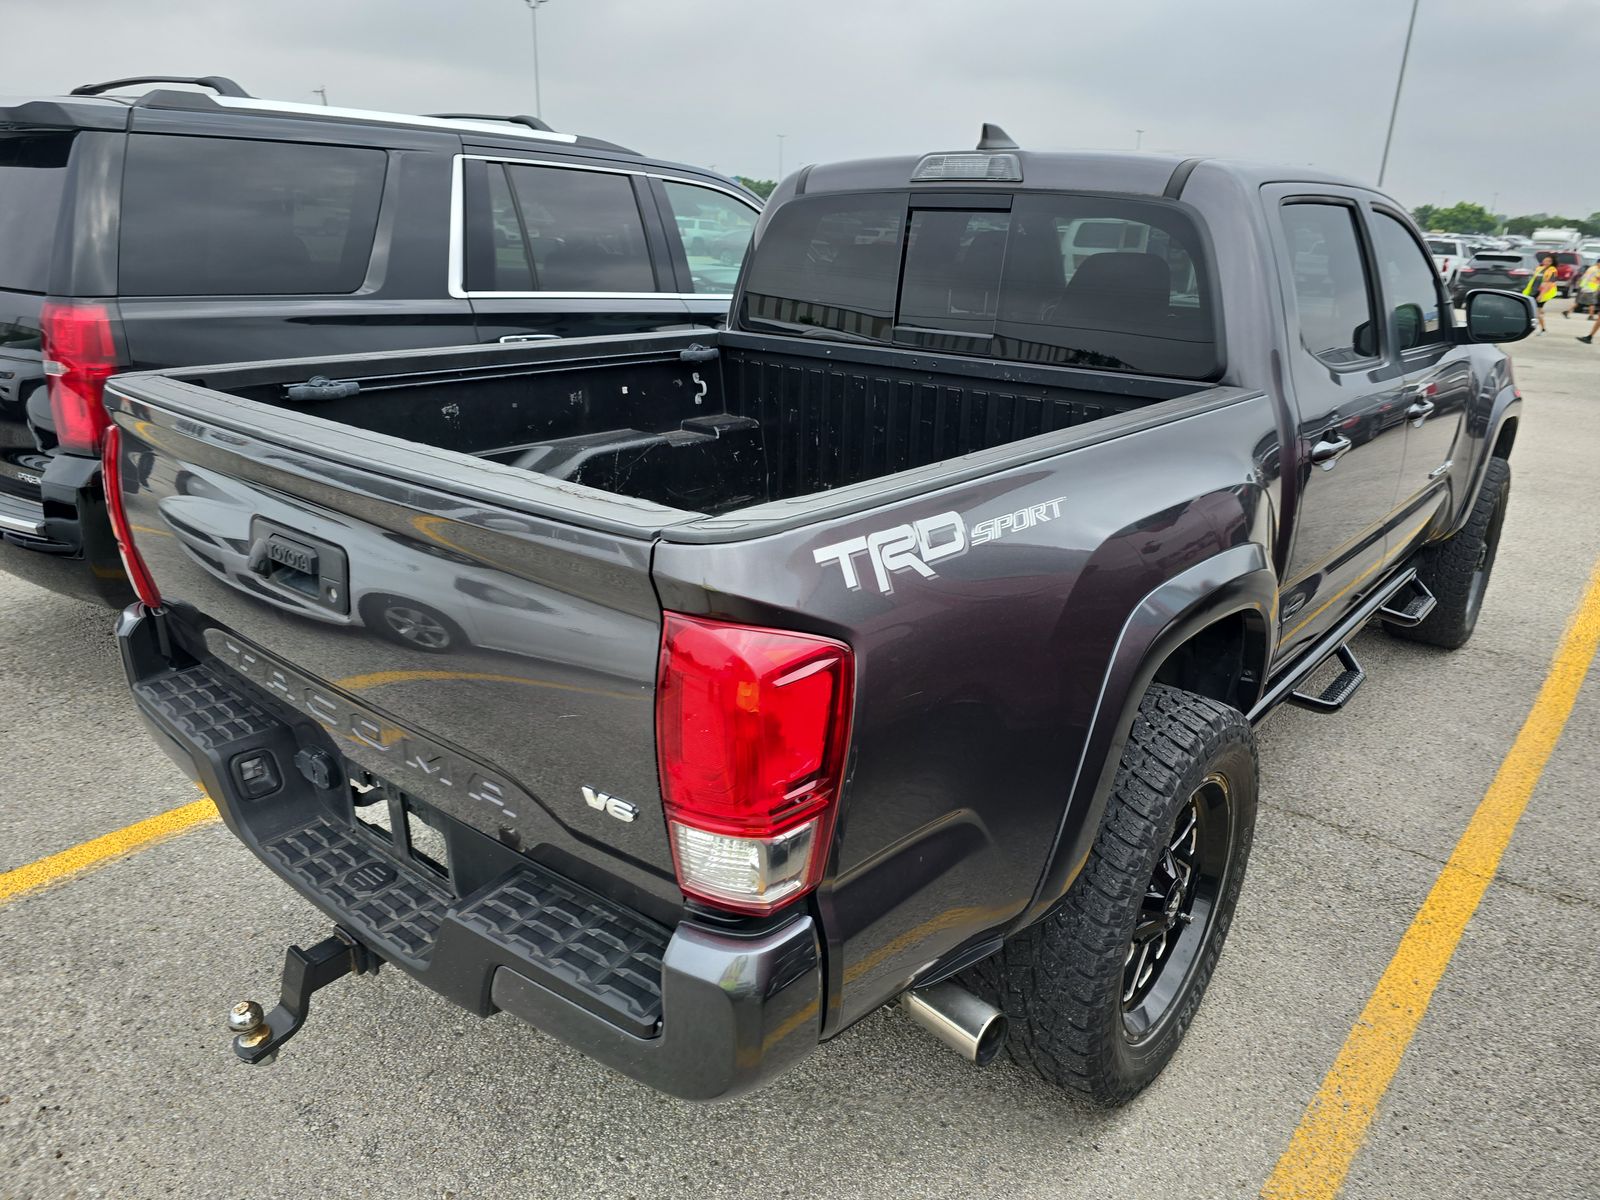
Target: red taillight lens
80,354
751,728
1518,271
111,478
1466,271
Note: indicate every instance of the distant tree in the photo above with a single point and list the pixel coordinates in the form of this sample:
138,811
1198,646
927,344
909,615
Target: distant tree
761,187
1463,217
1426,215
1586,226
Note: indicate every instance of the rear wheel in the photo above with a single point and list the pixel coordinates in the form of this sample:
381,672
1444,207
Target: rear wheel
1100,992
1457,570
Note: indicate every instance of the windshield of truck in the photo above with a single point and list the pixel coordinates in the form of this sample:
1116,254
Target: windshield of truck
33,172
1062,279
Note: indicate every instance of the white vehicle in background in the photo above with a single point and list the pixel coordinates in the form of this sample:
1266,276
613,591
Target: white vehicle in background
1554,238
1449,255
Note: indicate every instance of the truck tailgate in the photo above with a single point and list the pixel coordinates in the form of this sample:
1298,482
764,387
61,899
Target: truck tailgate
496,664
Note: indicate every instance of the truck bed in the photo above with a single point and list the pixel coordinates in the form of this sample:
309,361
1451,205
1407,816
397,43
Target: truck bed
707,423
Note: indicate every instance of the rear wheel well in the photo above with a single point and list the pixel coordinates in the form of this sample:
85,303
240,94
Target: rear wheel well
1225,661
1506,438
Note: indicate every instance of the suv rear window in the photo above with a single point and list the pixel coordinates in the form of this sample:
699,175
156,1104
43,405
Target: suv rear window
1057,278
1567,258
229,217
33,173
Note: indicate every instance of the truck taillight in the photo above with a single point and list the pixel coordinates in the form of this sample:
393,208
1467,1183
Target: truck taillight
751,728
80,354
111,478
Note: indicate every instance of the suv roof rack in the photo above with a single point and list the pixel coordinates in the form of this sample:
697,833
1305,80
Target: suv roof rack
517,119
217,83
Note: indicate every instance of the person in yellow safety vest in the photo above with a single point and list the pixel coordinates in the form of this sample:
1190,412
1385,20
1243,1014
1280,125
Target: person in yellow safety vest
1542,286
1586,296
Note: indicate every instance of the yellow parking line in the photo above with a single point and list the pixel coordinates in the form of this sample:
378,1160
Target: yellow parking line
103,849
1335,1122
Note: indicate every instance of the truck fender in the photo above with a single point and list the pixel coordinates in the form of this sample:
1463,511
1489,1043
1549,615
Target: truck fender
1506,411
1240,579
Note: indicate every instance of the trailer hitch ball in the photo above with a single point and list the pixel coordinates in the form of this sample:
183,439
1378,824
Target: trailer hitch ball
249,1026
257,1037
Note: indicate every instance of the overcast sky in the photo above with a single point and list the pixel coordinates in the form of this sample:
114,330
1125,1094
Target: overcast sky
1499,99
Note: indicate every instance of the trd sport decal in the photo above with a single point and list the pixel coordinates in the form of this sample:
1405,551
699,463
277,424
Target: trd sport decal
920,544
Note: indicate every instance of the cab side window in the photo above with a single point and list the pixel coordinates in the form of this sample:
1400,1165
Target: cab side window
1410,284
1332,292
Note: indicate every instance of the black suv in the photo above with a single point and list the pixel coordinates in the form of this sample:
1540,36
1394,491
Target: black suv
173,228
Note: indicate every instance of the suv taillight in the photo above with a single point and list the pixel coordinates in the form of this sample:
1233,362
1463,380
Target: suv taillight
111,478
751,728
80,354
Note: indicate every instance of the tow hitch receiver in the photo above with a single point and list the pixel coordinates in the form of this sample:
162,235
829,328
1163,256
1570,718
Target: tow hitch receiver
258,1037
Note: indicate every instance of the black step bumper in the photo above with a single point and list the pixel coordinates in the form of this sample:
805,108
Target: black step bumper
694,1011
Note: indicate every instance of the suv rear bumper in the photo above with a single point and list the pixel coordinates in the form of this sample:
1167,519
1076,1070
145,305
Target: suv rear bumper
64,542
694,1011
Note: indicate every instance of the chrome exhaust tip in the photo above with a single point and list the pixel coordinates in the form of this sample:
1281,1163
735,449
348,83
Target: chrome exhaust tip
973,1028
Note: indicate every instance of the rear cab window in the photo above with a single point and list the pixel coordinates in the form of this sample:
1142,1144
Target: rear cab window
33,177
230,217
1058,278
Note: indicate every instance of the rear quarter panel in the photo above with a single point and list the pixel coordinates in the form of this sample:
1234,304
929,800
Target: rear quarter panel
978,683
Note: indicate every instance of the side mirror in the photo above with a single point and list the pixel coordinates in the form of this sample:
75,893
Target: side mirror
1494,316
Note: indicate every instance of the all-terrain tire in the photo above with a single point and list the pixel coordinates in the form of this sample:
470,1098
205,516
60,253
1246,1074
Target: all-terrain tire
1061,981
1457,570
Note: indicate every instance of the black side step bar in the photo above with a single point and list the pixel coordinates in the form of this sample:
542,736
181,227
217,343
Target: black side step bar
1408,610
1333,642
1337,694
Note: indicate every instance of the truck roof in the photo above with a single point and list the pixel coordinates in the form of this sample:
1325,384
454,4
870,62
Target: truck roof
1128,172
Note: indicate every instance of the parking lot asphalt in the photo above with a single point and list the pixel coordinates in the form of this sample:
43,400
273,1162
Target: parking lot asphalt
116,1079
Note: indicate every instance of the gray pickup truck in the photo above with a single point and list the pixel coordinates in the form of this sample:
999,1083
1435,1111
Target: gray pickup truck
691,696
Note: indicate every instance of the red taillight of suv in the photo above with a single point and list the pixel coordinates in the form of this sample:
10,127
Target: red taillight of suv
80,354
111,478
752,726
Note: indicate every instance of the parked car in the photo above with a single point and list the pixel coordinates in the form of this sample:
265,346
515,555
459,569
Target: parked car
1507,270
902,640
1449,255
143,228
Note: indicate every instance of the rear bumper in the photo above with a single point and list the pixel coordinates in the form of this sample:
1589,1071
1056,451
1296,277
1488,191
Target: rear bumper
63,542
693,1011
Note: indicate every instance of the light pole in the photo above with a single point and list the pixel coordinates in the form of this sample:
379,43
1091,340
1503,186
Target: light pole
1138,139
533,12
1399,83
323,92
781,136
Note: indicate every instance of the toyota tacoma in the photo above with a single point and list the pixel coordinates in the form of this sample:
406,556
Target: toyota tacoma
690,696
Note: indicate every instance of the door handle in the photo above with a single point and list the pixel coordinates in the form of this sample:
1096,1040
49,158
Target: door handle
531,337
1420,411
1330,449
